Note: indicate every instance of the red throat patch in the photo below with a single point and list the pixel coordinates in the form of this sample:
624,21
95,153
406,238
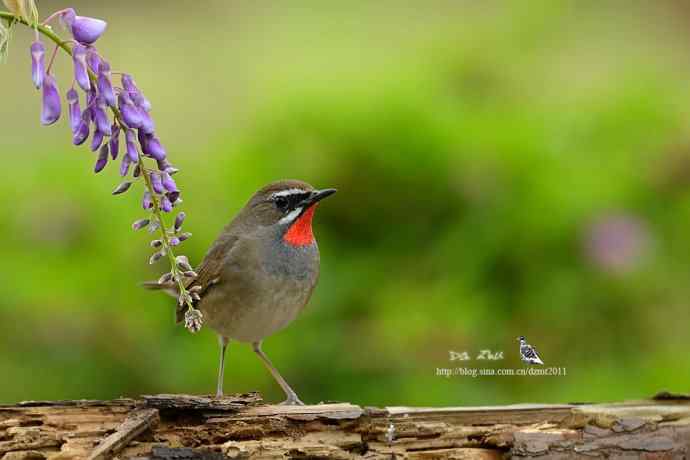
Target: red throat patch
299,233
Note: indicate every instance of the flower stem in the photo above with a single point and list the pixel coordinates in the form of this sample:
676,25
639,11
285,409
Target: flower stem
45,30
167,247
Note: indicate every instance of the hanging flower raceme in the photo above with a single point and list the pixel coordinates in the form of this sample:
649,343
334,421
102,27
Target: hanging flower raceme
113,105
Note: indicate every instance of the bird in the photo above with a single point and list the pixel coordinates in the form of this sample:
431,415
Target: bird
528,353
260,272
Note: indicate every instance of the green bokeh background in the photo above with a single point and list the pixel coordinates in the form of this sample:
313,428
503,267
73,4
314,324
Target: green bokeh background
475,145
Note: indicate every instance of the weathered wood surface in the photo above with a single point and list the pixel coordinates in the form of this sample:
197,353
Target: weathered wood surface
195,427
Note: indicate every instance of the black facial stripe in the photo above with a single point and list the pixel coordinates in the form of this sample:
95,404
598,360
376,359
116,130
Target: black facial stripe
287,203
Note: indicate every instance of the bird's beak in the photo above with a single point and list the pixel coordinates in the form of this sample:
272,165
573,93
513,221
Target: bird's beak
316,196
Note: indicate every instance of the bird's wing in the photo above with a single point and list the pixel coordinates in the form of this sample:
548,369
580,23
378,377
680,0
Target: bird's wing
532,354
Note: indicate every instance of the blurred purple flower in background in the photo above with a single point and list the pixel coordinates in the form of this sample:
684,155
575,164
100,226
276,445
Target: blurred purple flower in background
617,243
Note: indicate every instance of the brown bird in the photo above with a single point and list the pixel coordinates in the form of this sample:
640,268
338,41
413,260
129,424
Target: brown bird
261,271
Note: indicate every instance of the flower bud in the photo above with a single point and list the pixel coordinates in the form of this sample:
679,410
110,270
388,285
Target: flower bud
74,110
141,101
81,74
169,183
122,188
147,201
82,132
156,183
87,30
166,205
38,70
183,263
195,296
124,165
51,108
184,236
147,124
96,140
190,274
179,220
174,241
102,159
155,149
156,243
139,224
166,278
155,257
137,171
194,289
130,114
132,152
93,60
101,116
105,86
115,140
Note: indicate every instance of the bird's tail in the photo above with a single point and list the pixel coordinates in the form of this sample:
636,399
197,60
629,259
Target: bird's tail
169,288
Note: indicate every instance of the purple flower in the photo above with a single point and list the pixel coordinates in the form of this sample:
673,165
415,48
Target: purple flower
96,140
169,183
115,140
166,205
105,86
84,29
81,75
93,60
147,124
179,220
38,52
155,149
132,151
156,183
136,94
82,132
124,166
141,101
74,110
50,112
101,116
617,243
102,159
174,197
147,201
130,114
163,165
139,224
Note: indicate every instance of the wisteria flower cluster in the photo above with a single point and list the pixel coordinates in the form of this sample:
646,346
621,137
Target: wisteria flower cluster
111,108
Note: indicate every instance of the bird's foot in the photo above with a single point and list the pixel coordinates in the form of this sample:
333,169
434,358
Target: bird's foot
292,401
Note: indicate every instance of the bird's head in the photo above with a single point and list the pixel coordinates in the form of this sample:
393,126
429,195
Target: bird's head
290,205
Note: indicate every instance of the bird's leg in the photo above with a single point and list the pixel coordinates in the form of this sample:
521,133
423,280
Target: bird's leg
223,341
292,398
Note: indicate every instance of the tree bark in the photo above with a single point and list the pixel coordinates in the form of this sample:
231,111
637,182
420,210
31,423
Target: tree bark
242,427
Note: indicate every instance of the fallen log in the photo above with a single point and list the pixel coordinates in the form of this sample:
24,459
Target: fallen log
241,426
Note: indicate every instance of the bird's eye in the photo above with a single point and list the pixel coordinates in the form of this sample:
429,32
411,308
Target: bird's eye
281,202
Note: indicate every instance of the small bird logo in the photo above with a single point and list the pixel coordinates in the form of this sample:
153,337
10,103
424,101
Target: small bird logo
528,353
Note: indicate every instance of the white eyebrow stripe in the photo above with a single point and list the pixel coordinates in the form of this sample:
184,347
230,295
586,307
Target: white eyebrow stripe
290,191
291,216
